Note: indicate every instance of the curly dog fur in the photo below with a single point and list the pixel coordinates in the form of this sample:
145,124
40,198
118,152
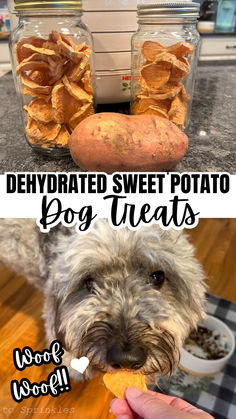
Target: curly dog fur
123,298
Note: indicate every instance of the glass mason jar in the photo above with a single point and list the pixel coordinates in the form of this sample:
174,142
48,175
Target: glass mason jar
51,53
164,60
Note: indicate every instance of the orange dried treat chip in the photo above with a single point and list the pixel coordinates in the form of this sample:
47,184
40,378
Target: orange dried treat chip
34,57
69,50
51,45
21,53
31,65
43,63
85,111
86,80
156,75
118,382
64,106
76,71
39,77
34,49
154,110
37,88
54,36
30,92
38,131
150,49
40,110
171,59
180,49
158,86
77,92
169,91
144,104
63,137
177,111
184,94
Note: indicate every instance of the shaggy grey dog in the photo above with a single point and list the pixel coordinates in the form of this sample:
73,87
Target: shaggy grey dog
125,299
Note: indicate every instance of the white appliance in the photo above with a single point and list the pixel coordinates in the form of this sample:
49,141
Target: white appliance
112,24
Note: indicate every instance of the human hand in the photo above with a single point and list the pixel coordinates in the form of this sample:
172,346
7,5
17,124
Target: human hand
141,404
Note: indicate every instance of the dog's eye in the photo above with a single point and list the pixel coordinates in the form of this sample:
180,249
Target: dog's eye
89,284
157,278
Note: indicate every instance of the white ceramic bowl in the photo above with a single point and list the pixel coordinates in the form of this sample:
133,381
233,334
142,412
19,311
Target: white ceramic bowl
113,87
203,367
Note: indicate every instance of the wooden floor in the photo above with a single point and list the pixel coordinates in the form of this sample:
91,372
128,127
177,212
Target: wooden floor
21,323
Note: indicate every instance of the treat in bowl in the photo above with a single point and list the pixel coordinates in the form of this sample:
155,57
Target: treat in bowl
207,350
207,344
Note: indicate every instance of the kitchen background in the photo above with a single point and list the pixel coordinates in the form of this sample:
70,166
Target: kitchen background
217,26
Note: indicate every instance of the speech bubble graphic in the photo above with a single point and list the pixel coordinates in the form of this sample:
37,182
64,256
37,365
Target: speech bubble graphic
80,364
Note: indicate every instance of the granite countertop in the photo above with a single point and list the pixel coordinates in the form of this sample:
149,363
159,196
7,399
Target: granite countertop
212,132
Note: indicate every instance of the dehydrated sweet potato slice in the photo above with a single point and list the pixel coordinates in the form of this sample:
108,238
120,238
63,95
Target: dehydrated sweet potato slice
184,94
38,131
63,137
39,77
169,91
86,79
180,49
154,110
118,382
156,75
184,60
150,49
64,106
144,104
31,65
69,51
85,111
42,51
54,36
51,45
40,110
21,53
27,91
34,86
177,111
77,92
176,64
75,71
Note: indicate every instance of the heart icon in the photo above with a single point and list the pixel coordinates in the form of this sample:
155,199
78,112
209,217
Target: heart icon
80,364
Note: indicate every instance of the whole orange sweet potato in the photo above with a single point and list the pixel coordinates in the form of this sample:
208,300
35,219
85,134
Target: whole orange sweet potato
111,142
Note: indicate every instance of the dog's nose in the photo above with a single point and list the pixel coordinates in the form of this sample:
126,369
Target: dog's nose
132,357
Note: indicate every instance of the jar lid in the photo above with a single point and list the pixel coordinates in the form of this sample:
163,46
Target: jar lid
47,4
166,8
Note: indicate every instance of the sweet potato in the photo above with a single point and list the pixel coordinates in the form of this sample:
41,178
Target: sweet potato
111,142
118,382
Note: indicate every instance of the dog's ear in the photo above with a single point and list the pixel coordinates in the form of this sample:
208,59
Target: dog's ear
51,315
20,249
193,278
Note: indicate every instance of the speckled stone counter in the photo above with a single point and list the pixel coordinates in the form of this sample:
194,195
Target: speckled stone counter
212,133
